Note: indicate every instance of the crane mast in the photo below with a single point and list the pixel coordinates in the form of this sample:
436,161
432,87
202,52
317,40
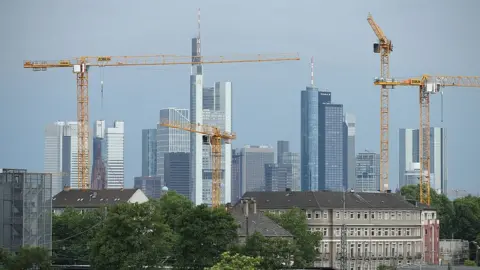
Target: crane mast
81,67
383,47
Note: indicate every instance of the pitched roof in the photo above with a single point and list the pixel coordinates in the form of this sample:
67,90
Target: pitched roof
328,200
258,222
91,198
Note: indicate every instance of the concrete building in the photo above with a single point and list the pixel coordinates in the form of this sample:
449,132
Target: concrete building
381,228
95,199
151,186
149,152
99,174
26,204
367,172
114,155
177,173
291,161
171,140
278,177
282,147
217,111
409,152
253,162
351,161
454,251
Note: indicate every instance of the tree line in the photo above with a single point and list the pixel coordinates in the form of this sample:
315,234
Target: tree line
170,231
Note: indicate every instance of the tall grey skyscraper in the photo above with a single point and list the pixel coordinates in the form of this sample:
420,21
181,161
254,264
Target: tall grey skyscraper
350,151
61,155
177,172
409,154
114,155
171,140
99,178
253,160
309,135
278,177
150,185
282,147
217,111
149,152
367,172
236,175
291,161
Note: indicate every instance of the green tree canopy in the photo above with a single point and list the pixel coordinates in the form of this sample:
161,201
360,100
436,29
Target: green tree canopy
275,252
72,230
236,262
26,258
295,221
204,234
133,236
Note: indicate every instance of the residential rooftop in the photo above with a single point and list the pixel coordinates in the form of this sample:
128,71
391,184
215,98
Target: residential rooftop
91,198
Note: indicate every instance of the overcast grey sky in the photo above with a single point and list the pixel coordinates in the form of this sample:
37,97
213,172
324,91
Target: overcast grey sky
436,37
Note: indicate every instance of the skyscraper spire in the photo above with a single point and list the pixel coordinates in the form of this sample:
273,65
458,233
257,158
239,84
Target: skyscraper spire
311,72
198,34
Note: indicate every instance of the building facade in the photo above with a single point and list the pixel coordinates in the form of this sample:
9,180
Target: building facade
367,172
149,152
99,174
350,122
114,155
236,176
278,177
26,203
177,173
291,161
253,160
309,132
150,185
409,152
171,140
381,228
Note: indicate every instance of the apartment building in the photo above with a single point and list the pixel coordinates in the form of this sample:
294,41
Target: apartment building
381,228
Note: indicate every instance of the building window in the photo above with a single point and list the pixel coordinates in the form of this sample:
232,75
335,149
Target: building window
337,215
309,215
380,215
399,232
351,215
358,215
392,215
317,215
379,232
373,215
386,232
386,215
325,232
366,232
408,215
359,232
337,231
373,232
399,215
351,232
408,232
325,214
365,215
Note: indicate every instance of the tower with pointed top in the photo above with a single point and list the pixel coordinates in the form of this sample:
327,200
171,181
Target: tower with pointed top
196,116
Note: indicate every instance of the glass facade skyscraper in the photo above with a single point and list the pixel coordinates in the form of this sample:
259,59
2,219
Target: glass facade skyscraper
149,152
309,139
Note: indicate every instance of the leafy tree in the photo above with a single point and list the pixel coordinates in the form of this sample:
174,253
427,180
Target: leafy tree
26,258
172,207
72,230
204,234
467,217
295,221
133,236
275,252
385,267
236,262
469,263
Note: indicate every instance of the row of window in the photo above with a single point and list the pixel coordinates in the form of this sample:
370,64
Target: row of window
375,215
369,232
374,249
370,265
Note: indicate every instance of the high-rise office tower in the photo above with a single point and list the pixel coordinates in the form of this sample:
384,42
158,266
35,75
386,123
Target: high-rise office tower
253,160
171,140
367,172
196,117
278,177
150,185
291,161
409,153
217,111
149,152
114,155
61,155
99,180
309,133
282,147
177,172
349,150
236,175
331,145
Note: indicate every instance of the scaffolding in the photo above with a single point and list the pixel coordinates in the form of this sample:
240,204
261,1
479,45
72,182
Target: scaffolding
26,203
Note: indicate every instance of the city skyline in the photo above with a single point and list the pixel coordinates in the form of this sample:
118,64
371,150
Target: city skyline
357,94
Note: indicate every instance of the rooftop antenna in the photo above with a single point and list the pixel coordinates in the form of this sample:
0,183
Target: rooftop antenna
198,33
311,71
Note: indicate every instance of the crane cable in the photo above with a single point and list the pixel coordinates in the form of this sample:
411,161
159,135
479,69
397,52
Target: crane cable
101,85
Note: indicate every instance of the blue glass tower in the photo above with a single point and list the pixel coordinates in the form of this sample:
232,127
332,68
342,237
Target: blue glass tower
309,139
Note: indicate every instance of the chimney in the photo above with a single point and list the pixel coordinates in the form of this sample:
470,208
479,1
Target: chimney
254,206
66,188
245,207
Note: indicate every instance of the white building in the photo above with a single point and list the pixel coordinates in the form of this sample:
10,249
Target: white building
171,140
114,155
409,153
61,154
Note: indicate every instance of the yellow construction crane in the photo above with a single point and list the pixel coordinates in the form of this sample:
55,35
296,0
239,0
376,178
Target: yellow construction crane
428,85
215,137
383,47
81,67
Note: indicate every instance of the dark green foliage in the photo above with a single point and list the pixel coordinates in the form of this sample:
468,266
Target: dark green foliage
275,252
295,221
27,258
234,261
